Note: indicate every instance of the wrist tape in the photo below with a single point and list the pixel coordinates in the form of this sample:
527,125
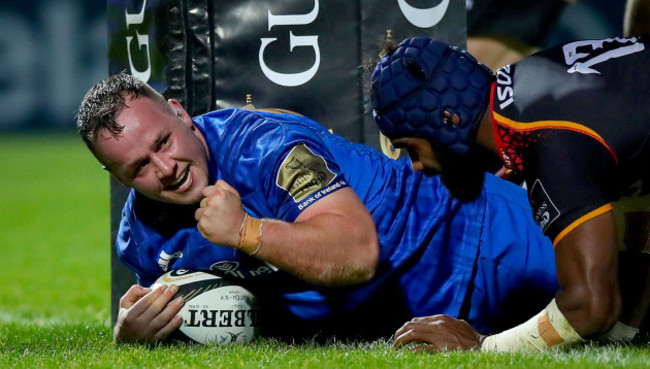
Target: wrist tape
547,329
250,235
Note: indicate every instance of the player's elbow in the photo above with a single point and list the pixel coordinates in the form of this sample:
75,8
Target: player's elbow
368,259
361,252
604,311
596,310
356,266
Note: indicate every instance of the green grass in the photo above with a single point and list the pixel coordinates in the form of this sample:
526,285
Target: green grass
55,232
89,346
55,290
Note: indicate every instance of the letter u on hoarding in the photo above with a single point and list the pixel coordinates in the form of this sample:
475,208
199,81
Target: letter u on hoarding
423,17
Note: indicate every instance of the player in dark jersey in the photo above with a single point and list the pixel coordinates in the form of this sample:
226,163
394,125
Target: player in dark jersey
574,120
334,234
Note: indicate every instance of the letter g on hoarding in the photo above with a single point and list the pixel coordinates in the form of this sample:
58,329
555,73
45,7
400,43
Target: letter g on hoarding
291,79
143,41
423,17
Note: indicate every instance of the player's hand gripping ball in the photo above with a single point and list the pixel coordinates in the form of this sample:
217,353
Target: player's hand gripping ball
215,310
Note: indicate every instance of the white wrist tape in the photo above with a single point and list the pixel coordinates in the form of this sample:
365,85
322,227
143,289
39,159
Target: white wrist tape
547,329
619,332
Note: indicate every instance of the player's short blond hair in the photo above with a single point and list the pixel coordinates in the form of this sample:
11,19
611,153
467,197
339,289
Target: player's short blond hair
107,98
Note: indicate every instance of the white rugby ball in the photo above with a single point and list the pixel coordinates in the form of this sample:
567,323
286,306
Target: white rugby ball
215,310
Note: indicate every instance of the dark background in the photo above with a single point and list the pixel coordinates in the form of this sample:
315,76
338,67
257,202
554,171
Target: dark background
52,51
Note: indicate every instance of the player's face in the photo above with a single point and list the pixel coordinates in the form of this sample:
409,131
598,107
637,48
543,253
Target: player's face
160,153
461,175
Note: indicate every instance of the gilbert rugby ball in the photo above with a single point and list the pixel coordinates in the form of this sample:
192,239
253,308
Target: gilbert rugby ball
215,310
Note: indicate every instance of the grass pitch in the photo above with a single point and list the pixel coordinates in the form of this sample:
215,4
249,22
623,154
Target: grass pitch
55,295
55,237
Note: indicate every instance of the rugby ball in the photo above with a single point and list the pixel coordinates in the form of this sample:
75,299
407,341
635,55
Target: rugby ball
215,311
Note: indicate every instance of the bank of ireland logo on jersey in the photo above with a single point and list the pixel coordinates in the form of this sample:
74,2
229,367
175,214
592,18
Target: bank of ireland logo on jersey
544,211
303,173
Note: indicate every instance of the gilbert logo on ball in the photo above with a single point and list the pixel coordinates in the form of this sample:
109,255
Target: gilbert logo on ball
216,310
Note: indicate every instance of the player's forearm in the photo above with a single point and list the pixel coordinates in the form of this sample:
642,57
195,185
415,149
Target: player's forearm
560,327
587,272
329,250
332,242
588,301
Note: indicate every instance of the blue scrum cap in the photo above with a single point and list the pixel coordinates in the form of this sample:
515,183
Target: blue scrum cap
413,87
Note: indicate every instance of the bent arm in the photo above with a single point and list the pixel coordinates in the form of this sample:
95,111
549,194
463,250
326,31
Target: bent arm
588,301
586,260
333,242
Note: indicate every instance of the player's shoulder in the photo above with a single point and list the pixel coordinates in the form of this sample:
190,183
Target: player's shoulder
223,123
276,128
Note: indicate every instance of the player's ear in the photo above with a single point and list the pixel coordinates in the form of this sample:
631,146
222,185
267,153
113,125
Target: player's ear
108,170
179,111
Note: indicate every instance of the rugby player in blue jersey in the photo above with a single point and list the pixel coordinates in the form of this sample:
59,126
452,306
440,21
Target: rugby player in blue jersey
572,121
335,236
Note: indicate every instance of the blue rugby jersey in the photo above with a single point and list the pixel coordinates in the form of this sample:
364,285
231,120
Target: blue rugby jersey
283,163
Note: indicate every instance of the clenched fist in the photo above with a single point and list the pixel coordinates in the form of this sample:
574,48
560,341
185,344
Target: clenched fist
221,214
